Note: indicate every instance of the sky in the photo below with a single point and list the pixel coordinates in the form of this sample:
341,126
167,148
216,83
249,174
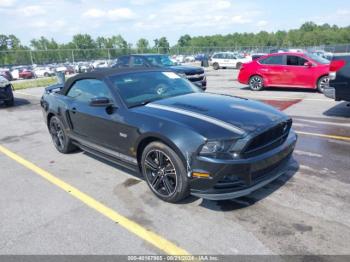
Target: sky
150,19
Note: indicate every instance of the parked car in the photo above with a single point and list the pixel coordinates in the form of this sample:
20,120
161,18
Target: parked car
183,140
6,94
193,73
227,60
66,69
339,85
44,71
294,70
26,73
6,74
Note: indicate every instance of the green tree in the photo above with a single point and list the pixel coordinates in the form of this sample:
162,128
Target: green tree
142,45
162,45
184,40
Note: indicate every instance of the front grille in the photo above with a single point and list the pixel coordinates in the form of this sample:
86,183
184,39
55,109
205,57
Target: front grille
194,77
268,140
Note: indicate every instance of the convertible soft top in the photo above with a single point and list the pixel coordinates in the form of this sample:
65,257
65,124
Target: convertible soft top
106,72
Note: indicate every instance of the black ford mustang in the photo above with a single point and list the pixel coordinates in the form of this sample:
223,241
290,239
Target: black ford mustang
6,94
183,140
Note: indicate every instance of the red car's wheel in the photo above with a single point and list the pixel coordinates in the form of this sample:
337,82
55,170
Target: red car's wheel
322,83
256,83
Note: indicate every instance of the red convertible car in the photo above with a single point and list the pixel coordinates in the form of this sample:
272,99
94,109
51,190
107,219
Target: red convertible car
293,70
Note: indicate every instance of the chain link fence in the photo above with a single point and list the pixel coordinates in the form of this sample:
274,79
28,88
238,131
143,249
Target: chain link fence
39,57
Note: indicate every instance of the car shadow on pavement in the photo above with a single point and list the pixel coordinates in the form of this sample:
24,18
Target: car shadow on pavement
18,102
340,110
223,205
256,196
286,89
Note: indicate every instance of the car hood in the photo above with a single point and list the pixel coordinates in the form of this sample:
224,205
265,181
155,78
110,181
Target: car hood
187,69
236,115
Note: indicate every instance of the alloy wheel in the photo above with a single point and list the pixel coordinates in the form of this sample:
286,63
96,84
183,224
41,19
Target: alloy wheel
256,83
323,83
160,173
57,134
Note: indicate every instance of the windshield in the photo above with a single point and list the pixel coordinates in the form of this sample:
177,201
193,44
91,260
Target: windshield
318,59
140,88
160,60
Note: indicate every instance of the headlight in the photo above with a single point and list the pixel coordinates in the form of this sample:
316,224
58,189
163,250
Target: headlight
218,149
212,147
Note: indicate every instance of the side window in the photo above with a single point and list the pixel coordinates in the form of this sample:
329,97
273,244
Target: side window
295,60
138,61
86,89
232,56
219,56
272,60
123,61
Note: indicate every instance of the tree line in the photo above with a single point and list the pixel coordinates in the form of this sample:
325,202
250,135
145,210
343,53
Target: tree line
85,47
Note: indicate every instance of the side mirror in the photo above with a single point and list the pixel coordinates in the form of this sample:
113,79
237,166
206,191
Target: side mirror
308,64
100,102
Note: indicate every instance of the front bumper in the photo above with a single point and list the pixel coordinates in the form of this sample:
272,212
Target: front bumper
200,83
235,178
329,92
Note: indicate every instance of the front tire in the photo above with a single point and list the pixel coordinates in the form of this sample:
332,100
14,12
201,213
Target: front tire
164,172
256,83
60,140
10,102
216,66
322,83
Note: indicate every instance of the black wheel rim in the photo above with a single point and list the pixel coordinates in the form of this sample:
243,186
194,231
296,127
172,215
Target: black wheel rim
256,83
160,173
57,134
324,82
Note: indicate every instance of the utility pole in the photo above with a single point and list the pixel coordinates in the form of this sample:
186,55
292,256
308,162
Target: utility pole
31,56
73,55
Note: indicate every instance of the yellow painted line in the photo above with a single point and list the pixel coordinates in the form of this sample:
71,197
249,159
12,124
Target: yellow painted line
344,138
143,233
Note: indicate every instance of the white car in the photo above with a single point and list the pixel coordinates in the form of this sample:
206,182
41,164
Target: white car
43,71
100,64
228,60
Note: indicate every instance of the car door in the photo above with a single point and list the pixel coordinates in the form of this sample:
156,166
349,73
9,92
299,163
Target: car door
272,68
232,60
95,126
300,75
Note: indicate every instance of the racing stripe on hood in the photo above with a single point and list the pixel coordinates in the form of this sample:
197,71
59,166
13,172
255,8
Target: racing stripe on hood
209,119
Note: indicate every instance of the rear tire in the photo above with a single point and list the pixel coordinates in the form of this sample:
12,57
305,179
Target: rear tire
216,66
256,83
60,140
322,83
164,172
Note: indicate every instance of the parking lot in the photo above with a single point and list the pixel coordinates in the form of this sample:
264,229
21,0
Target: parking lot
78,204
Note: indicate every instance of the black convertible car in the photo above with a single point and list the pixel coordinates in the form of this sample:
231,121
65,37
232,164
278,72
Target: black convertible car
6,94
183,140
